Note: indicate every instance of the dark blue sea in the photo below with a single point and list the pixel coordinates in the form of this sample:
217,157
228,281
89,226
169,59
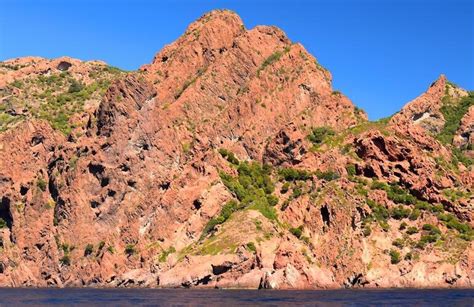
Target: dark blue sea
182,297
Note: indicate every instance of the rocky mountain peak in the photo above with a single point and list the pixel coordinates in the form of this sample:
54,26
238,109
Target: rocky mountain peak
228,161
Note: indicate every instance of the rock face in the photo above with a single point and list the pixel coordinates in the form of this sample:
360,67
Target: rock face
229,161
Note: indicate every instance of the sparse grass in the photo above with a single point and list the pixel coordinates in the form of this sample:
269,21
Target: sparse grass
351,169
251,247
274,57
165,253
41,184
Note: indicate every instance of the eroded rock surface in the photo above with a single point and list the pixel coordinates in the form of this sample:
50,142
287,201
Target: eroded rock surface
229,161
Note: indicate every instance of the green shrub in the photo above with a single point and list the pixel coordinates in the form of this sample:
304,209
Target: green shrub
379,212
274,57
415,214
272,200
65,260
297,232
412,230
229,156
397,195
431,238
75,87
378,185
351,169
366,231
400,212
409,256
433,230
403,226
328,175
251,247
88,250
285,187
41,184
467,237
360,189
293,174
437,208
319,134
297,192
422,205
384,225
130,249
454,223
226,211
394,256
17,84
398,243
394,192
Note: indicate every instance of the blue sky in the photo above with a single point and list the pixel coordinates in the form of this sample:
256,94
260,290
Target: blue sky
381,53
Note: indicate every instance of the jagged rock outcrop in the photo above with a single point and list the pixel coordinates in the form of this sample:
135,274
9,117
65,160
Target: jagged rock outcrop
229,161
465,135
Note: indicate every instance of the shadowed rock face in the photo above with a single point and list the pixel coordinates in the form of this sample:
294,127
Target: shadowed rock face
229,161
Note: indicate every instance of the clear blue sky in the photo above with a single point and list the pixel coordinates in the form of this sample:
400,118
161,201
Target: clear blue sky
381,53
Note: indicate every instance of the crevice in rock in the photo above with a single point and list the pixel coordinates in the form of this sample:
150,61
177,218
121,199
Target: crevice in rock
369,172
96,169
220,269
52,188
355,280
37,139
104,182
23,190
64,66
94,204
124,168
5,213
197,204
379,142
165,185
325,215
132,183
204,281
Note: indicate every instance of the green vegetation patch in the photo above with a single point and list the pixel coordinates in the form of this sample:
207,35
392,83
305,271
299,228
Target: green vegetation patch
318,135
274,57
252,187
453,112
